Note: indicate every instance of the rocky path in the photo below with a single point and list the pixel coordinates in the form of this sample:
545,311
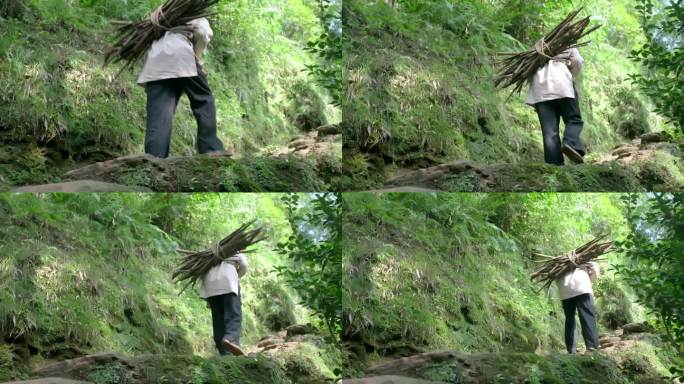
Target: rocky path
650,162
613,363
310,162
275,359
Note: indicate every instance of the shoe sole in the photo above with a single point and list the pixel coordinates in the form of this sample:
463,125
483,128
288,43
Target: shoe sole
573,155
232,348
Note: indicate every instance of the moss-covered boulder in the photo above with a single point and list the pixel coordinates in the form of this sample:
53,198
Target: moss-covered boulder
489,368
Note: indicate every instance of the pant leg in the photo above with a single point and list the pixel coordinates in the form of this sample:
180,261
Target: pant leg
216,303
587,315
203,107
162,100
572,118
569,306
549,118
232,318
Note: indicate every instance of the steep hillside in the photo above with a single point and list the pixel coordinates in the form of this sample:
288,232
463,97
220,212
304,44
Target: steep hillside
426,272
60,109
90,273
421,92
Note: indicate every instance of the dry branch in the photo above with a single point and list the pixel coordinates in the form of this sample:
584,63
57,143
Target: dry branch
555,267
133,39
195,265
518,68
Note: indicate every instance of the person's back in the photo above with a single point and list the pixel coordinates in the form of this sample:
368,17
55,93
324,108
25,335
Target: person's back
574,283
553,95
173,67
577,295
221,288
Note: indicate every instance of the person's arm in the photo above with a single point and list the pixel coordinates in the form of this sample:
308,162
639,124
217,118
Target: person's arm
201,36
240,263
593,271
576,62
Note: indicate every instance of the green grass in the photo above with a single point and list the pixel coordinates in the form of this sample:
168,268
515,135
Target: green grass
86,273
426,272
59,106
421,86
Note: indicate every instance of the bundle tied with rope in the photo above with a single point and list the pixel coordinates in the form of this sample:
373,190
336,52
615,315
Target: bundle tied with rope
133,39
519,68
553,268
195,265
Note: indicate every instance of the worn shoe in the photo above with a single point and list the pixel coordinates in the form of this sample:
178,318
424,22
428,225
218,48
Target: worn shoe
233,348
573,155
224,153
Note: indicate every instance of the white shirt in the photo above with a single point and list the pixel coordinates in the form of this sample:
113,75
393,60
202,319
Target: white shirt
577,282
174,55
225,277
554,80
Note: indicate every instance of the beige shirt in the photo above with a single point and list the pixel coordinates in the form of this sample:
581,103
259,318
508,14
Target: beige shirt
174,55
577,282
555,79
225,277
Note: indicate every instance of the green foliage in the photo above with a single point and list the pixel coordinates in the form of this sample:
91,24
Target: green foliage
662,56
614,306
85,273
60,104
315,253
419,87
653,247
432,271
630,117
113,373
328,47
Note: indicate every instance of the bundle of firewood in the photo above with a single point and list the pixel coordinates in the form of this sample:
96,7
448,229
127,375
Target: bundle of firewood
195,265
133,39
518,68
553,268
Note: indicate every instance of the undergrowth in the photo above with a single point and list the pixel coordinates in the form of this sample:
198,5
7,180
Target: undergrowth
59,106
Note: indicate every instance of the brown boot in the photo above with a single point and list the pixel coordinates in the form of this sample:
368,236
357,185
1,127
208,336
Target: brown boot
573,155
233,348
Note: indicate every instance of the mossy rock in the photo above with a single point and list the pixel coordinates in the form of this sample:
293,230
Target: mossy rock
218,370
521,368
464,176
214,173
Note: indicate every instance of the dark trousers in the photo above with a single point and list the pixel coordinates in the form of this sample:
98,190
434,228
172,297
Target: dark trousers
584,304
162,100
549,113
226,317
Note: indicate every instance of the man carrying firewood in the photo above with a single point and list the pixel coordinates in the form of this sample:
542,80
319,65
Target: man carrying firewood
221,288
577,295
173,67
553,94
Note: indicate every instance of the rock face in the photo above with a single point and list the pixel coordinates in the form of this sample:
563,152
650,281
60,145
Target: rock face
49,380
311,162
82,186
389,380
646,163
514,368
298,329
213,173
642,148
71,368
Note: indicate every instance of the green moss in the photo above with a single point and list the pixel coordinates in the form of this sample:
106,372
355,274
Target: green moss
206,173
112,373
8,363
191,369
420,92
58,99
91,273
614,306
